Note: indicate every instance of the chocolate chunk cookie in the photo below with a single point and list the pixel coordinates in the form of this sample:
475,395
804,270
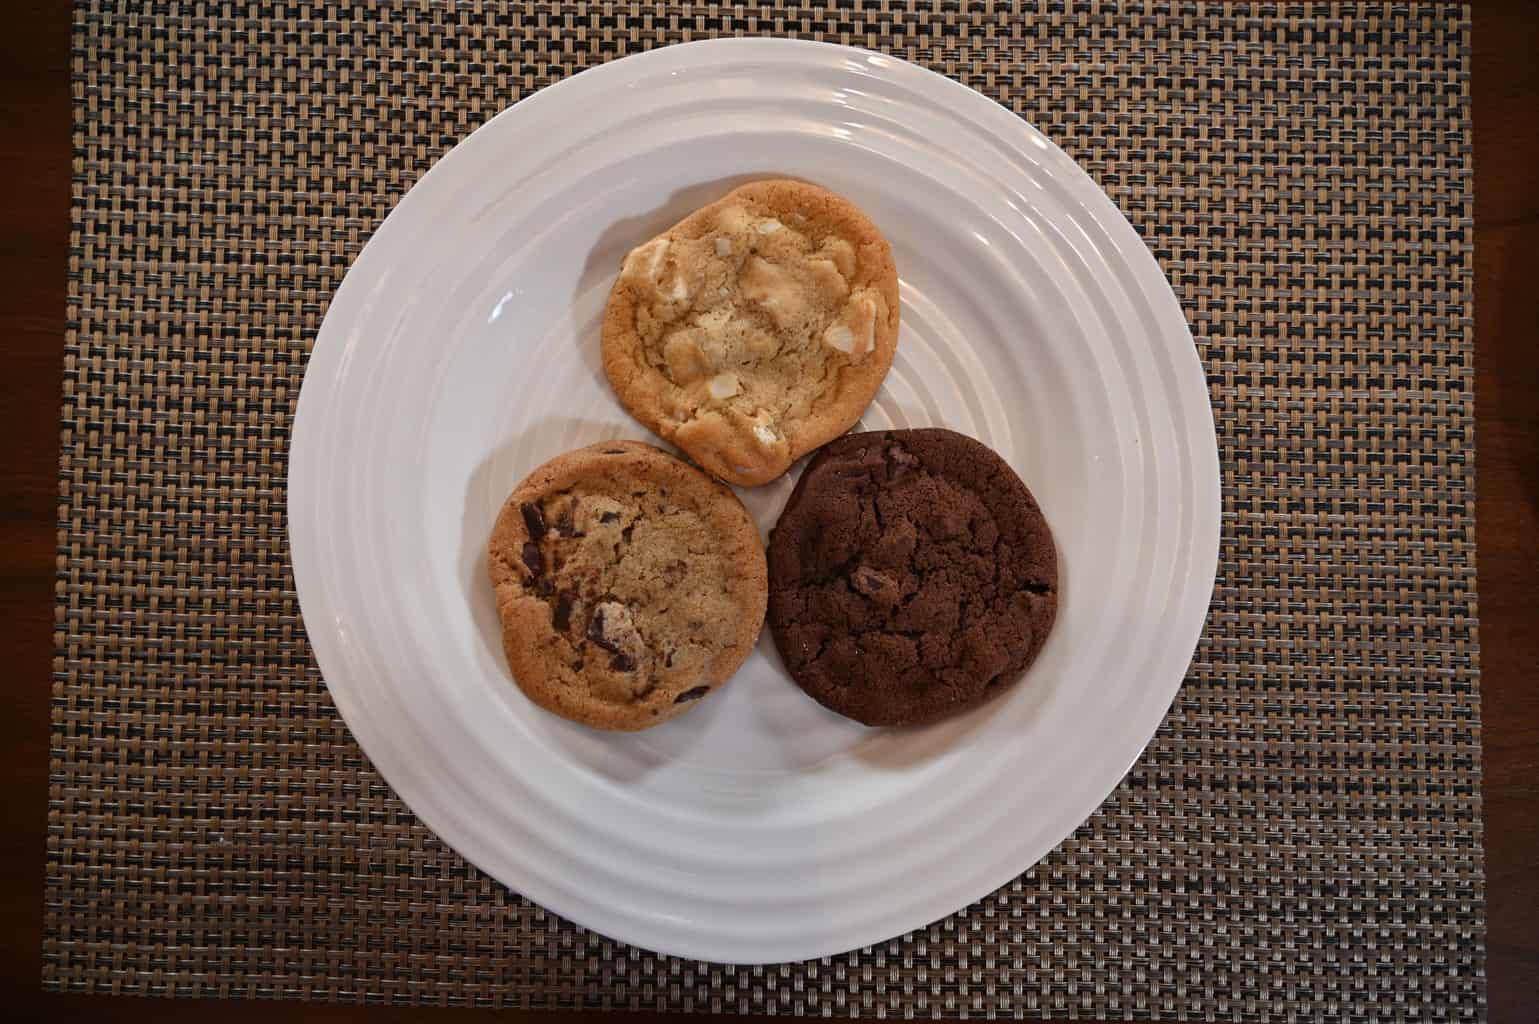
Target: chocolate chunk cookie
629,585
756,329
911,576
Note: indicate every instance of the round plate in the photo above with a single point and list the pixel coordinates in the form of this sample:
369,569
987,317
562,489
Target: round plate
462,351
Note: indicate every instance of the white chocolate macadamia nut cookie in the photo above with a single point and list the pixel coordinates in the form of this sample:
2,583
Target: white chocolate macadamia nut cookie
756,329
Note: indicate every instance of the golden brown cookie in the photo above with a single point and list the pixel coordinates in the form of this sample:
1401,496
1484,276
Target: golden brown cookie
629,585
756,329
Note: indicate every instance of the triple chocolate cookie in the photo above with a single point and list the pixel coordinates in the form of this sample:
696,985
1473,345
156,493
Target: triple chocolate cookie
912,576
629,584
755,329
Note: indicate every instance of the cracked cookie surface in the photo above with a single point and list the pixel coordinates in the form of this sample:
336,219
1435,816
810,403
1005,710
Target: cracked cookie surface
912,576
756,329
629,585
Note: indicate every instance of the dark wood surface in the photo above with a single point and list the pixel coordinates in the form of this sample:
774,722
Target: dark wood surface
1506,93
35,154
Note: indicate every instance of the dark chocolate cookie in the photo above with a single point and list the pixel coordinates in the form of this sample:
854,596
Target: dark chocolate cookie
912,576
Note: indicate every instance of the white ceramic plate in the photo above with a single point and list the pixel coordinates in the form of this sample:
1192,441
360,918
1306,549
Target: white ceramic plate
462,350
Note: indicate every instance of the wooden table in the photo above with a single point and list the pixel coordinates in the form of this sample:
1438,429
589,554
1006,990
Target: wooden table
36,154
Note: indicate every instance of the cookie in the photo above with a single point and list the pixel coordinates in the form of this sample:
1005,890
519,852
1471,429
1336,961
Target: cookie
756,329
629,585
912,576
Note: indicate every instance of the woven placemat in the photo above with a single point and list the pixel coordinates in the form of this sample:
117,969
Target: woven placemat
1300,842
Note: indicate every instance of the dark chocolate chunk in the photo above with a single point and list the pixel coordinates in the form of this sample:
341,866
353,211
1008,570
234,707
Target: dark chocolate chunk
596,631
562,618
873,583
609,517
534,520
694,694
623,662
533,560
900,462
544,586
566,520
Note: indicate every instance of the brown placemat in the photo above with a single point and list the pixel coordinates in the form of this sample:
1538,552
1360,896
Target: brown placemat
1300,842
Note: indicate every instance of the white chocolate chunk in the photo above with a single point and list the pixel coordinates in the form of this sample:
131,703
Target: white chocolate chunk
854,333
843,255
646,260
773,289
680,290
830,284
766,434
866,322
723,246
840,338
723,386
768,227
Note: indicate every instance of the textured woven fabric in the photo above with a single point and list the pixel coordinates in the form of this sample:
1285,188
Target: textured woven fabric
1301,841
